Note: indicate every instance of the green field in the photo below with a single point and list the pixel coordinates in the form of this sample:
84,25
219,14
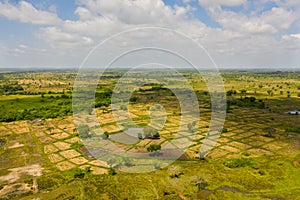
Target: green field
256,157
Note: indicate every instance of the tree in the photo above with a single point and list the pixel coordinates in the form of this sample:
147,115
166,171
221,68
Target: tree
154,148
140,136
155,134
133,99
111,171
243,93
105,136
252,99
224,130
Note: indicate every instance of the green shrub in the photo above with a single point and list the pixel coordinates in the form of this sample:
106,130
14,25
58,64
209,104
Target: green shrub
154,147
224,130
111,171
47,182
240,162
246,153
293,129
76,145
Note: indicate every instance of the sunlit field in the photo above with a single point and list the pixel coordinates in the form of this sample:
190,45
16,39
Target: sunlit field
256,157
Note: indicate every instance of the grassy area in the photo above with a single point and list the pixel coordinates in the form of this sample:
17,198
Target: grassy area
248,162
21,107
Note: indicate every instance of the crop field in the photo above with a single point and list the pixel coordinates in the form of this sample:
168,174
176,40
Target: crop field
257,155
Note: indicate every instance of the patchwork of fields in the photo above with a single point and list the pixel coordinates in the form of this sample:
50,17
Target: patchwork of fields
256,157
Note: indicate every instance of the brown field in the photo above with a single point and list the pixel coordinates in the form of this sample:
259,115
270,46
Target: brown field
55,158
62,145
65,165
79,160
69,153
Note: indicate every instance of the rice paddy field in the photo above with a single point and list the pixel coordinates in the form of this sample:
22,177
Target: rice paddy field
256,157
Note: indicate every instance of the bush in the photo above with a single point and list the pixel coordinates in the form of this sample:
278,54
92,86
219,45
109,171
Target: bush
47,182
293,129
76,145
247,102
154,147
246,153
111,171
105,136
241,162
79,174
224,130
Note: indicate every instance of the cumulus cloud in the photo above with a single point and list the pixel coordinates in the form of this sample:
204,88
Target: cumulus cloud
188,1
240,38
279,18
135,12
83,13
58,39
207,3
268,22
25,12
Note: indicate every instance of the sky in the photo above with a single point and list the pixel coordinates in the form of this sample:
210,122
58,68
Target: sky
235,33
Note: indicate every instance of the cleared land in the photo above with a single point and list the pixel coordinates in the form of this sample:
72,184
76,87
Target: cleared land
256,157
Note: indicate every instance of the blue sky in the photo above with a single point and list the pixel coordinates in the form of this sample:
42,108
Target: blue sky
237,33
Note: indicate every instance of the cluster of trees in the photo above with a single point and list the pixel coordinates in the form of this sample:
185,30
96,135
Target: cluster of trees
46,106
36,108
43,112
103,98
154,147
246,102
154,87
10,88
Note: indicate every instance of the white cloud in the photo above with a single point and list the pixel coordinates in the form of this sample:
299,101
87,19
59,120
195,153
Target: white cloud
292,37
188,1
279,18
60,40
240,23
25,12
208,3
135,12
83,13
269,22
240,38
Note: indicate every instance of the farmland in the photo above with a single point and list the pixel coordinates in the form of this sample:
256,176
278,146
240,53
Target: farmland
256,157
